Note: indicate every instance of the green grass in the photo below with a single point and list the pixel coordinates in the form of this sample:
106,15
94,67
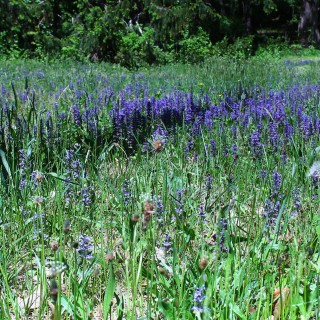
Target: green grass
229,249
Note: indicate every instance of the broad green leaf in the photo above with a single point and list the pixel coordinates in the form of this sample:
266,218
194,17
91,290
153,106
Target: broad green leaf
5,162
167,309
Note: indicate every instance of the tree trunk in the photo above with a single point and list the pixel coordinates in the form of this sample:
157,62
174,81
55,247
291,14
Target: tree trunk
309,22
247,16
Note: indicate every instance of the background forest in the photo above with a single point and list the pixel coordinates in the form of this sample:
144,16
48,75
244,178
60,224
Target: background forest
142,32
159,160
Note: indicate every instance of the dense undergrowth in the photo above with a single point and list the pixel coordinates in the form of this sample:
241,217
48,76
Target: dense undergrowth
178,192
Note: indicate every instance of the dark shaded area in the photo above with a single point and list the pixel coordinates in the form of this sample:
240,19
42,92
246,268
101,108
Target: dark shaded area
134,33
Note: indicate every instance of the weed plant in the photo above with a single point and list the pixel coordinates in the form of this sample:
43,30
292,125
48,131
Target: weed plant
180,192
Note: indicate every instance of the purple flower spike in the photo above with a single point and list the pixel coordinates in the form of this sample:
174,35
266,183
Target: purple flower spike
198,299
85,247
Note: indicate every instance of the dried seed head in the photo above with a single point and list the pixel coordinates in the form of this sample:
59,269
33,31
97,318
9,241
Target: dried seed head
54,246
282,297
38,176
135,218
109,256
148,206
164,272
96,271
53,290
203,262
276,293
75,245
38,200
158,145
147,216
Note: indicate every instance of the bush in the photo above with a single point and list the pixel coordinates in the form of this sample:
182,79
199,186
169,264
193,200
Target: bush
194,48
241,48
137,49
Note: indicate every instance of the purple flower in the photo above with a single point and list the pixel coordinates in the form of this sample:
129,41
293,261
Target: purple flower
145,147
126,192
306,126
273,135
75,168
271,212
209,181
234,150
77,115
288,130
263,174
160,210
179,207
234,132
213,148
86,194
202,214
222,231
196,127
188,147
167,243
73,165
225,151
85,247
69,156
284,158
198,299
199,296
277,179
22,184
297,198
255,143
23,167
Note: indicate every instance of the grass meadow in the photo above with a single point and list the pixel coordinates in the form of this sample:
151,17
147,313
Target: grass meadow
175,192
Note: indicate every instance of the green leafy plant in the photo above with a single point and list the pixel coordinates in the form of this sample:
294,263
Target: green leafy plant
194,48
137,48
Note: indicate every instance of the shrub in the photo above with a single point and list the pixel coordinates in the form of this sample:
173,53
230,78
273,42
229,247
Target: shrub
194,48
137,49
241,48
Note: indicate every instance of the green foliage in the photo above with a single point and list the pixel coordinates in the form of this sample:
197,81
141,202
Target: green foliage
241,48
194,48
109,31
137,48
72,46
269,6
274,48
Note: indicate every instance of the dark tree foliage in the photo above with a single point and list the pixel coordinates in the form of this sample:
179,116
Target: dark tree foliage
143,30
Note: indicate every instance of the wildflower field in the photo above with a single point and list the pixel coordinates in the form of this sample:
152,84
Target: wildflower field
178,192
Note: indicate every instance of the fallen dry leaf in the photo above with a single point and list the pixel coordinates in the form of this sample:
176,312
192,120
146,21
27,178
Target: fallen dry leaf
31,302
281,297
276,293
